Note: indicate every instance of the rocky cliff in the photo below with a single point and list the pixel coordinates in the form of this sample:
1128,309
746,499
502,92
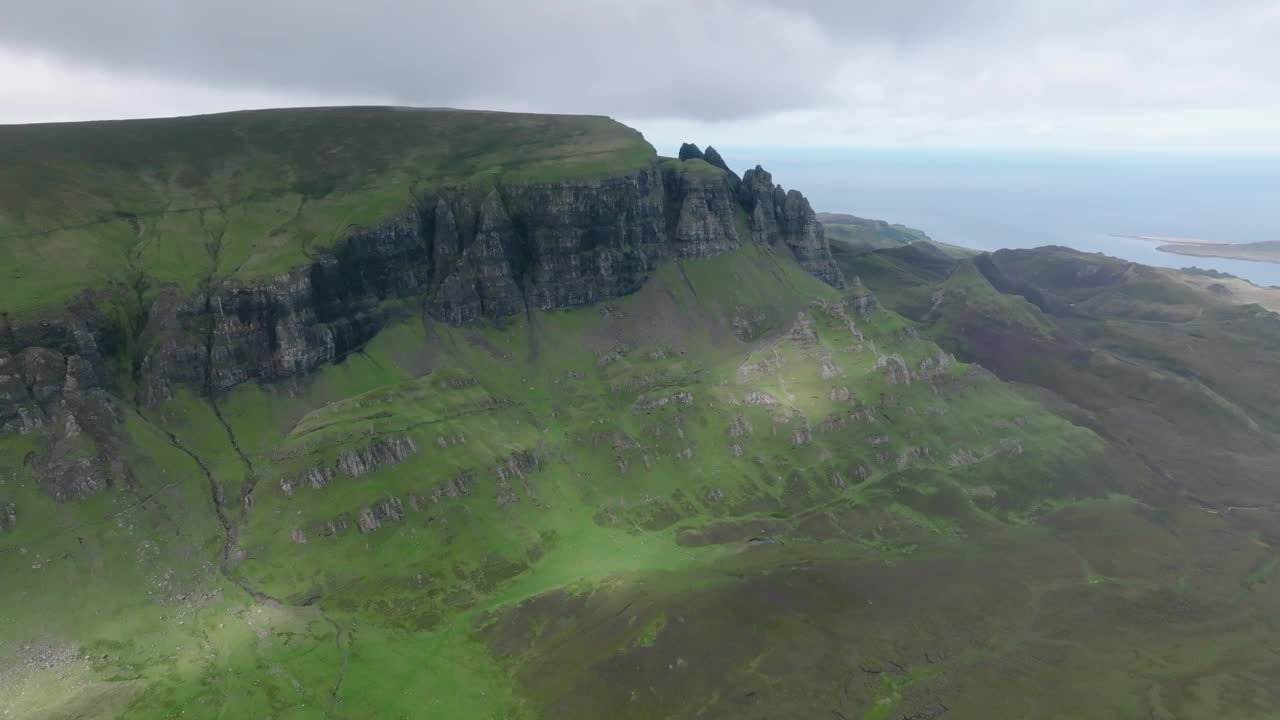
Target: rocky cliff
465,253
52,386
289,325
701,212
496,251
472,253
786,217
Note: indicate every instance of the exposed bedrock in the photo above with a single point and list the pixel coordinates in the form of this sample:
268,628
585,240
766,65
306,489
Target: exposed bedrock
459,254
469,253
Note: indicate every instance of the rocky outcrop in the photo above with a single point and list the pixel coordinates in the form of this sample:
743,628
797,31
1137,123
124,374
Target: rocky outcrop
53,390
515,467
380,452
781,217
802,232
372,517
713,158
8,516
391,509
689,151
573,244
936,364
864,301
702,212
895,369
803,332
911,456
353,463
286,326
679,398
473,276
456,486
47,365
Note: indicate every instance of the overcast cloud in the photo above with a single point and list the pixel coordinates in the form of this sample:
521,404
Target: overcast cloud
1043,73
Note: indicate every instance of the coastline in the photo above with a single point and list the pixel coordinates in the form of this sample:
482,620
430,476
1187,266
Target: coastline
1163,240
1218,251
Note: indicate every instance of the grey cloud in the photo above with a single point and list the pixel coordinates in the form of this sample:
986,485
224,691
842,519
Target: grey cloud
867,65
652,57
912,22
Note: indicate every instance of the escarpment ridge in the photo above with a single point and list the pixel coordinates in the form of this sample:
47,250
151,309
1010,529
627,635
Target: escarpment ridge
514,213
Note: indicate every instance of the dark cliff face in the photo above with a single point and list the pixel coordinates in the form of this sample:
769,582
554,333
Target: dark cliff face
701,214
786,217
541,246
468,253
288,326
712,156
465,254
51,387
689,151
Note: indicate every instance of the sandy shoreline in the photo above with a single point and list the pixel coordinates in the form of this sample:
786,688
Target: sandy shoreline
1226,253
1197,247
1171,240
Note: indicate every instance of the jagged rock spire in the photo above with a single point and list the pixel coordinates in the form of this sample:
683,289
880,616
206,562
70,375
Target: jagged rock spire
776,215
689,151
713,157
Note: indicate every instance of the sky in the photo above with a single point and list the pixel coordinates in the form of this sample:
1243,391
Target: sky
1046,74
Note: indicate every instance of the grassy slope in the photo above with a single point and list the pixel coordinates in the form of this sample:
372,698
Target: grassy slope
636,521
1121,341
251,194
1160,362
696,167
866,234
1231,288
854,235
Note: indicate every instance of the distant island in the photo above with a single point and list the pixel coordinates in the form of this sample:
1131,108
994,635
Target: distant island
1267,252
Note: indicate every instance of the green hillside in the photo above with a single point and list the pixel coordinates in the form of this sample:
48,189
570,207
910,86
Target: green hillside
868,234
1031,484
1174,366
723,424
244,196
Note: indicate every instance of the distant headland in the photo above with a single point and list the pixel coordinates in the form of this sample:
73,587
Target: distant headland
1267,252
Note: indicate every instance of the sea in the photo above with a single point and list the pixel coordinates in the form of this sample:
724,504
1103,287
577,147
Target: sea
1088,201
